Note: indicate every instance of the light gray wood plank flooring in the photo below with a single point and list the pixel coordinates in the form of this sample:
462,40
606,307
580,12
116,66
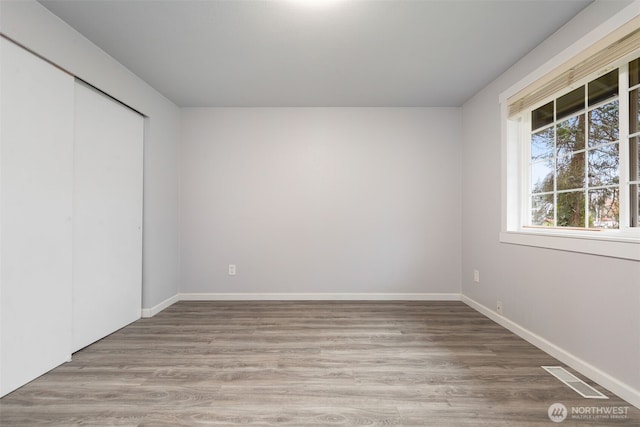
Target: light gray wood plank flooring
304,364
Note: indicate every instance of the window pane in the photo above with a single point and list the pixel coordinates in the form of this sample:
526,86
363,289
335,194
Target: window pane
570,172
604,208
570,135
634,158
542,210
570,209
542,116
634,72
542,177
604,164
542,144
570,103
635,205
634,111
603,87
603,124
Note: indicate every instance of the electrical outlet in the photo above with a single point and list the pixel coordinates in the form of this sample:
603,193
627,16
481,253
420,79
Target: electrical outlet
232,269
476,276
499,307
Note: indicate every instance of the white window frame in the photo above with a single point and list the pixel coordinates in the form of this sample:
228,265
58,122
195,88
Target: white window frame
622,243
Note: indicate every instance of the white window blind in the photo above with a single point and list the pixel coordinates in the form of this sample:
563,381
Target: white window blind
614,47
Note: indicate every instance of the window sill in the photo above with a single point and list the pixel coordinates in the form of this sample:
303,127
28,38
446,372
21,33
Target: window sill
603,245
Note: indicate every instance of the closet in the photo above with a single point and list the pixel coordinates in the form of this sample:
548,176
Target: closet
107,216
36,172
70,215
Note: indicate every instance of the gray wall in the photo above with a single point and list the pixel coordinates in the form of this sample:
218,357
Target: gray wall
320,200
587,305
33,26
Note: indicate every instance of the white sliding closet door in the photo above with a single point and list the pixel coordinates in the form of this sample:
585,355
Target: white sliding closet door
36,165
107,216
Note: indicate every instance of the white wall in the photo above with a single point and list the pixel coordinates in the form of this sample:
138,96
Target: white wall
588,306
33,26
320,200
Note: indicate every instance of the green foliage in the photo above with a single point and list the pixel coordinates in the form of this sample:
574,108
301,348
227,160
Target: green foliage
599,165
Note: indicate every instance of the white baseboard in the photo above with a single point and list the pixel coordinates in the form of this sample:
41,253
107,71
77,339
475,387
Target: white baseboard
319,297
612,384
150,312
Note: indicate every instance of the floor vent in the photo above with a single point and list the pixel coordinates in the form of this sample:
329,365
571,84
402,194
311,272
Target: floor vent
582,388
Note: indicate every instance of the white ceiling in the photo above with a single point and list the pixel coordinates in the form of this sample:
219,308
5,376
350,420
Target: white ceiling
344,53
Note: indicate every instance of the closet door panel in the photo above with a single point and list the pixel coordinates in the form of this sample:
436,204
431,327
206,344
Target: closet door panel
36,166
107,212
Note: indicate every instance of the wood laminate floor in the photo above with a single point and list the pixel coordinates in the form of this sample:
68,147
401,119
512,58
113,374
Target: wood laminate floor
305,364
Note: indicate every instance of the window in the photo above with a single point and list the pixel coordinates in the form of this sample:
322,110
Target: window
574,158
572,152
634,142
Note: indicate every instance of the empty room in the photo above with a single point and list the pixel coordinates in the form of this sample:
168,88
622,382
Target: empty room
319,212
